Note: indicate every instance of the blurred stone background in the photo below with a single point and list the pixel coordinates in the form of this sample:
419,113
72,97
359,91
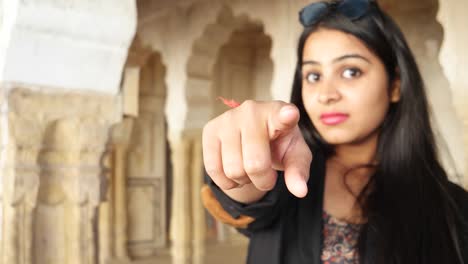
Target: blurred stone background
103,102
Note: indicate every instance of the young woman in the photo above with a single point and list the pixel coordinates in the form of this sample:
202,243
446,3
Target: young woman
348,171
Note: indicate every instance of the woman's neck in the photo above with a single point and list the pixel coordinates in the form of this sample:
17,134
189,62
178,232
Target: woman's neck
356,154
347,175
353,163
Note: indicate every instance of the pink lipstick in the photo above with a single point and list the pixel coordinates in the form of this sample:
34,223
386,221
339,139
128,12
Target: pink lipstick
332,119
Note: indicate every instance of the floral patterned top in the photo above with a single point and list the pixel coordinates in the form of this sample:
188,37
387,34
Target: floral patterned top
339,241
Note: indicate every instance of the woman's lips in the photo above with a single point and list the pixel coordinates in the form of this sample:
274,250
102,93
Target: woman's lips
333,118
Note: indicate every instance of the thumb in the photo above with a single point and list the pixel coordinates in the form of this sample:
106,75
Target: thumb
296,162
284,119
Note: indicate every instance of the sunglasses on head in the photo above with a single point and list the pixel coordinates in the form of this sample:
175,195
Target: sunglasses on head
352,9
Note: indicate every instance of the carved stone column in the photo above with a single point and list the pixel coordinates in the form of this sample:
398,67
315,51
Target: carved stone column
20,185
181,233
53,177
113,210
188,229
198,211
121,134
59,85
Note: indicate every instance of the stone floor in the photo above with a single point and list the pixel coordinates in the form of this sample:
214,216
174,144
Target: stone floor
233,252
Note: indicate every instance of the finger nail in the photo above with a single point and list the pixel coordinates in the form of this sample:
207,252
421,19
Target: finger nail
302,188
287,110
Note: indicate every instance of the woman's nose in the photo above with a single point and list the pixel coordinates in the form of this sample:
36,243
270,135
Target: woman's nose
328,93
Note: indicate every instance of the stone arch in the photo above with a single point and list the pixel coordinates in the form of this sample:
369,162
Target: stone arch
206,51
219,39
140,171
146,160
243,68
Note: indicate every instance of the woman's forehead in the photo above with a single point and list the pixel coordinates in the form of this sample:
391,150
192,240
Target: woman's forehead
325,45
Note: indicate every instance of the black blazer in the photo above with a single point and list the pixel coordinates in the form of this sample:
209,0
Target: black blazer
288,230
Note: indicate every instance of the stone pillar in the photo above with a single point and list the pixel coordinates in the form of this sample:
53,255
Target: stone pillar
120,212
181,233
188,226
60,73
453,58
105,216
20,180
60,148
112,229
120,140
57,225
198,211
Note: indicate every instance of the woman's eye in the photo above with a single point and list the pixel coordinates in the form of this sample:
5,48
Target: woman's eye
312,77
351,73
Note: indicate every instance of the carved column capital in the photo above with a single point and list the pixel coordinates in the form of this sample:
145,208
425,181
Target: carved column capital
55,148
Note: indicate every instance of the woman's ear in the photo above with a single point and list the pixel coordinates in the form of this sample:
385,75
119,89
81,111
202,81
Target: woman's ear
395,91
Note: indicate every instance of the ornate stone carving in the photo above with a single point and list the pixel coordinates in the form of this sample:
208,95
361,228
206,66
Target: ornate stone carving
52,184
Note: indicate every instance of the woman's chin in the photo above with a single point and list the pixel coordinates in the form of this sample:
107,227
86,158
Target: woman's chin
336,139
347,139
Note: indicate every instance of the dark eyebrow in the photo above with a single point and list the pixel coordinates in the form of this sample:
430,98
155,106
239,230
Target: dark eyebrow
344,57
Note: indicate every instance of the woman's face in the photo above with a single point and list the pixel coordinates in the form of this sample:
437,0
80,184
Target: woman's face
344,87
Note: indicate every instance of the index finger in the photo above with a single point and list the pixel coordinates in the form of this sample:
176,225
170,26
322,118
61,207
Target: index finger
296,161
282,120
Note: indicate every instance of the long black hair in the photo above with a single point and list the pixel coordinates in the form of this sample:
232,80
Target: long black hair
409,209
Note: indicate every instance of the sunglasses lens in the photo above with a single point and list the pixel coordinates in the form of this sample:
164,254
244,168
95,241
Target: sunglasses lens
354,9
309,14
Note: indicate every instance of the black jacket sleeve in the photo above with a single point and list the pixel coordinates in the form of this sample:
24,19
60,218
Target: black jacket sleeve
265,211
